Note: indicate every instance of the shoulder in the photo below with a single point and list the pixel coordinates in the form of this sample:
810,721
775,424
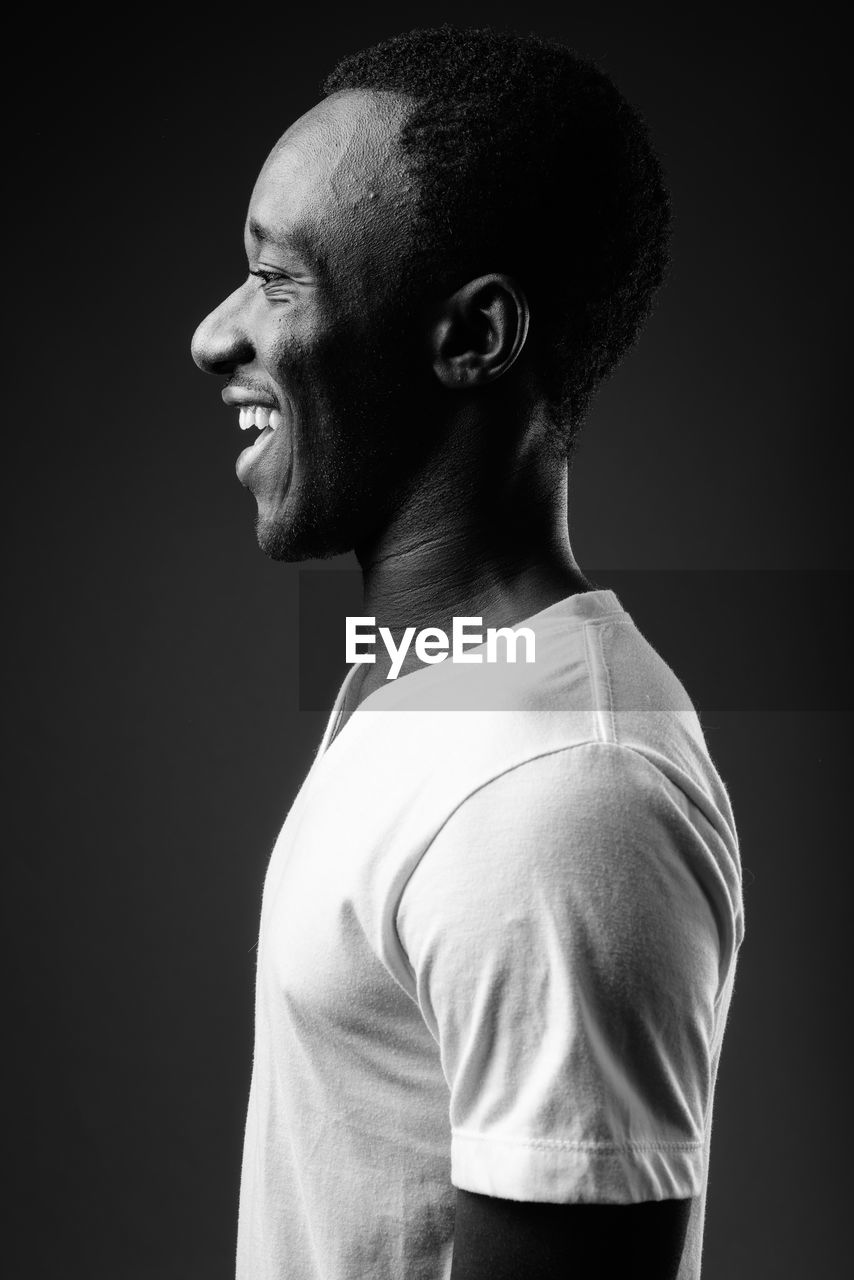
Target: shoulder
577,794
592,842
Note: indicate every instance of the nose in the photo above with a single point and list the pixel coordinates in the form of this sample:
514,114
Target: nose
221,343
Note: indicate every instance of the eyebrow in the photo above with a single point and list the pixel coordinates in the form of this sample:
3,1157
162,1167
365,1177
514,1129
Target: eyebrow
298,240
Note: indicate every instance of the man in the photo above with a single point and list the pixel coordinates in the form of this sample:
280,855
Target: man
500,925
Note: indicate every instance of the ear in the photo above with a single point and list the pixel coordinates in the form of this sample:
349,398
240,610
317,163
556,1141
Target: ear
478,332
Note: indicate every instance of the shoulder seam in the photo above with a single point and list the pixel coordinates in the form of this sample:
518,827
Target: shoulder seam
603,699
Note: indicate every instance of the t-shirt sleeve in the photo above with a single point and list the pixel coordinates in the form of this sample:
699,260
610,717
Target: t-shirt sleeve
565,946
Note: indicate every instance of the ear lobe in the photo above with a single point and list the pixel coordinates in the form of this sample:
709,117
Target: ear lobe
479,332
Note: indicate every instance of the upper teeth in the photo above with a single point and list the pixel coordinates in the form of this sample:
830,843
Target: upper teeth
256,415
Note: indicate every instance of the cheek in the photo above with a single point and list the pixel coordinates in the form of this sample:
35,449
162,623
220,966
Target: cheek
340,367
320,360
301,343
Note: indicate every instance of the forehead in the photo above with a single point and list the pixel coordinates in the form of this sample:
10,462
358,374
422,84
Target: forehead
336,178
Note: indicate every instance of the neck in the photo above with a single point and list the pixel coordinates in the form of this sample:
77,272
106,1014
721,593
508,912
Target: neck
482,535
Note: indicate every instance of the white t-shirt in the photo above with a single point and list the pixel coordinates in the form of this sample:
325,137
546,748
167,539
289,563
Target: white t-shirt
498,942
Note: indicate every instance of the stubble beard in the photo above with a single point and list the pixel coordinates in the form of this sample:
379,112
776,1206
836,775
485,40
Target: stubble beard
361,459
366,442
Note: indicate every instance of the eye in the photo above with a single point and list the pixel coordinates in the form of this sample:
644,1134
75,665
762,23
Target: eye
270,277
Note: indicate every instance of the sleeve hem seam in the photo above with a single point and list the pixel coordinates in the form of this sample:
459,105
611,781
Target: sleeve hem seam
602,1148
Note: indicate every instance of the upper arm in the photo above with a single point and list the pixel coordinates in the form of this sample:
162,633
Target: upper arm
511,1240
566,957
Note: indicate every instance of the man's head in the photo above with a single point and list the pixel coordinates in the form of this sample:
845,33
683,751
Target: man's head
462,206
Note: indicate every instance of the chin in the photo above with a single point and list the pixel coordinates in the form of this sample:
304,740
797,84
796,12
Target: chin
288,543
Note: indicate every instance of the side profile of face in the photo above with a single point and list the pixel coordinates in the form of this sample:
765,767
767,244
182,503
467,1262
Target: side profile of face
318,345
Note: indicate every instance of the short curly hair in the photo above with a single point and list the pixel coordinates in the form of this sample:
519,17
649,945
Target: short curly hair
528,160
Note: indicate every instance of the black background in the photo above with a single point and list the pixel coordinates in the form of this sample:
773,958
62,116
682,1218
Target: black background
153,665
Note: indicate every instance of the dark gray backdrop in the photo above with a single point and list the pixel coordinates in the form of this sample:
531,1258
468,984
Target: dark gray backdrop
152,675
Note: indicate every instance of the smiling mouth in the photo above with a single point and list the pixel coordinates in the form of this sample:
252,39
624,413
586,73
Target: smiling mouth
267,422
259,416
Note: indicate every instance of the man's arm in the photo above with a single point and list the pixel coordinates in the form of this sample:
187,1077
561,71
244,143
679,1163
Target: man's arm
519,1240
569,935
